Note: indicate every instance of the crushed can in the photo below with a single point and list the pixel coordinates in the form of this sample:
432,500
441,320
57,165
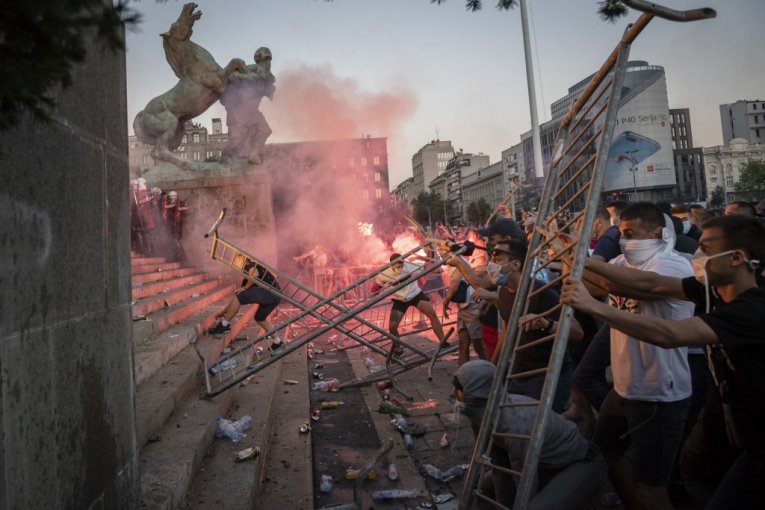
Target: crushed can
316,414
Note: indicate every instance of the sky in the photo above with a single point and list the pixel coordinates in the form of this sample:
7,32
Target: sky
413,71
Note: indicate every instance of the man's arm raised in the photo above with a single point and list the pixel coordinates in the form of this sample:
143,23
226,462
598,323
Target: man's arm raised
632,282
661,332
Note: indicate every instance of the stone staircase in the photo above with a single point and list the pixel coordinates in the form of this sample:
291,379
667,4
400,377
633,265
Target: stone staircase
173,306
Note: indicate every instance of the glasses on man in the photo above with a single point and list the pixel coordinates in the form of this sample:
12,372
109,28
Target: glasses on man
497,253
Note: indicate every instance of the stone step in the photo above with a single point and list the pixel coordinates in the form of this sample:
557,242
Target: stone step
145,278
162,320
223,483
168,464
155,267
173,299
154,288
288,457
151,354
142,261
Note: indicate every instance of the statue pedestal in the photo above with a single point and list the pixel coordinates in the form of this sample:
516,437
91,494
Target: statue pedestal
245,191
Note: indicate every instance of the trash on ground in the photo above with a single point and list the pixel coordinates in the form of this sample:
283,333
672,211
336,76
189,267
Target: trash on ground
331,404
352,474
452,473
386,407
442,498
408,442
233,429
325,485
392,472
397,494
329,385
137,318
444,442
399,423
246,454
316,414
290,382
305,428
226,364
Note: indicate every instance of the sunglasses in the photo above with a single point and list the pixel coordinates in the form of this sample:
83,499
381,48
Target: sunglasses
496,252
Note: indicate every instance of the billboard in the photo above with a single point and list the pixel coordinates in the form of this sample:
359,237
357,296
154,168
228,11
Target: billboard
641,150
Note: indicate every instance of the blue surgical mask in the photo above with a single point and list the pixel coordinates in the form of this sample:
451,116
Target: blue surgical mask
686,226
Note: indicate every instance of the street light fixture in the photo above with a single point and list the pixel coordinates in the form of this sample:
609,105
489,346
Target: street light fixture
633,168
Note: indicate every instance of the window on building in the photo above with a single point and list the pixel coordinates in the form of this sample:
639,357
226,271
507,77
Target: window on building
376,160
756,119
757,132
378,193
729,180
674,145
350,162
183,140
197,155
196,137
146,159
378,176
366,193
754,106
363,161
712,170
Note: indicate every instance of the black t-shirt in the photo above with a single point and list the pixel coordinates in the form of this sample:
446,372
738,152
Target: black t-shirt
739,360
538,356
264,274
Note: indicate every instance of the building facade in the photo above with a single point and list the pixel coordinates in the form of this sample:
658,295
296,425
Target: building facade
488,183
689,160
743,119
428,162
403,193
461,165
724,163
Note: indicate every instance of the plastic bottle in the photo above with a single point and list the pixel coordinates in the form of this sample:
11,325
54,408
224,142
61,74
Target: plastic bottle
433,472
388,408
330,385
408,441
392,472
243,423
226,364
397,494
226,428
325,485
399,423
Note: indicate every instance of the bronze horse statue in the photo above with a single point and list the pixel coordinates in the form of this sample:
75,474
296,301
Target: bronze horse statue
201,83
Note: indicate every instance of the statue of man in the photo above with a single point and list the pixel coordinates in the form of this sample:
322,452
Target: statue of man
247,127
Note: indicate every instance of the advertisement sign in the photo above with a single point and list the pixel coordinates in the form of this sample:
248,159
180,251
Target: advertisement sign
641,150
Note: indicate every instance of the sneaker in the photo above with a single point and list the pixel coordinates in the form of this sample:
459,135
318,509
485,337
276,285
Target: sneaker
219,328
276,345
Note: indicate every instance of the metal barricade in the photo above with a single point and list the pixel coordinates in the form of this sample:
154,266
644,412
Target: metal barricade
314,313
574,182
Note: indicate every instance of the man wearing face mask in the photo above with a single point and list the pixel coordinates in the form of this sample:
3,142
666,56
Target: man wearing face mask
509,256
726,284
647,408
683,212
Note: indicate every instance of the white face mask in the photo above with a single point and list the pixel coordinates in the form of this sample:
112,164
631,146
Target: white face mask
699,262
639,251
686,227
494,271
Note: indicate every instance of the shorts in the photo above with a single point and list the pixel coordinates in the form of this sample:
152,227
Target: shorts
467,319
652,431
266,301
403,306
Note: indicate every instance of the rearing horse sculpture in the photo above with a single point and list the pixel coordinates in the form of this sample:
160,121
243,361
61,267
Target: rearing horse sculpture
201,83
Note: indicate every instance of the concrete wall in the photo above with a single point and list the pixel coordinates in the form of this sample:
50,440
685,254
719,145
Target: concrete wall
66,388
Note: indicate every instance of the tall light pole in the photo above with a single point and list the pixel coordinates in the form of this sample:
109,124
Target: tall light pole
536,143
633,168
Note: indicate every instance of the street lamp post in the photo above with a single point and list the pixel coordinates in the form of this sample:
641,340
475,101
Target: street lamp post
633,168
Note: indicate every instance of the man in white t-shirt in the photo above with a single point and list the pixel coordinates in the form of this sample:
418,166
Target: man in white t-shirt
648,405
408,295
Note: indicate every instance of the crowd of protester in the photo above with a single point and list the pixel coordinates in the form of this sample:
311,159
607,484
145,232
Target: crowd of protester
665,367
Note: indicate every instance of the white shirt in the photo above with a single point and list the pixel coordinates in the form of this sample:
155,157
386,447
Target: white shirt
393,274
642,371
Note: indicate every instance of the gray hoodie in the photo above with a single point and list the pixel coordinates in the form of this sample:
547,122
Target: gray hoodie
562,443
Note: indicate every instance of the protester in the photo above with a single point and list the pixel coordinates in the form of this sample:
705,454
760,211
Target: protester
725,284
247,294
648,405
740,207
406,296
572,466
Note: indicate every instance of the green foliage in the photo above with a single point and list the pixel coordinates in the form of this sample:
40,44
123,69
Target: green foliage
718,197
478,211
751,184
609,10
41,41
428,208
